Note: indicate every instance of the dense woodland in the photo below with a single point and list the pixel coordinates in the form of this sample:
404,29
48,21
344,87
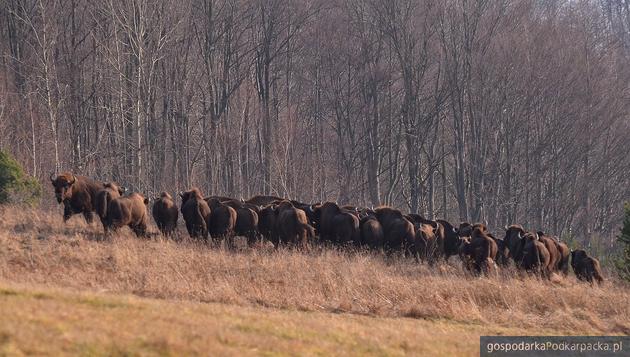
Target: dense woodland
480,110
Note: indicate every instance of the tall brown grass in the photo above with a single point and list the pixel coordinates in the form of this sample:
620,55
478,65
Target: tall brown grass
37,247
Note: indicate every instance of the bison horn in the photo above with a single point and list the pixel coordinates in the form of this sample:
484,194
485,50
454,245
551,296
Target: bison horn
74,179
506,227
52,176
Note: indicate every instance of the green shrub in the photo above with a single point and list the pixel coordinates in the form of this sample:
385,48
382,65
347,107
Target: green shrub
15,185
623,263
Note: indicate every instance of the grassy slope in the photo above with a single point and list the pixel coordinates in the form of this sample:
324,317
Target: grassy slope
63,289
35,320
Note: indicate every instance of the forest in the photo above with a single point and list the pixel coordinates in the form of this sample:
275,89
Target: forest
497,111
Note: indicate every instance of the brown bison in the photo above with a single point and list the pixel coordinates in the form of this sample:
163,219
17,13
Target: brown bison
196,213
428,244
246,219
478,251
261,200
323,215
503,253
464,230
346,228
564,253
104,197
292,225
528,251
129,211
222,220
335,224
450,238
552,248
399,232
513,242
267,223
78,194
585,267
308,209
165,213
535,256
371,231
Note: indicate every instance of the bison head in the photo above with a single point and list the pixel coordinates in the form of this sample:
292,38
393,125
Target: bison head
465,229
63,186
193,193
114,187
578,254
513,235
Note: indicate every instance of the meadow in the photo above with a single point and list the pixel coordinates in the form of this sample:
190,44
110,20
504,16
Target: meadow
65,288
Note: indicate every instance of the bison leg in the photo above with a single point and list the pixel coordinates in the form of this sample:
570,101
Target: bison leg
67,213
251,238
140,230
88,217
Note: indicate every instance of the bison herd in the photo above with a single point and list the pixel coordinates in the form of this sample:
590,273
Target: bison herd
289,222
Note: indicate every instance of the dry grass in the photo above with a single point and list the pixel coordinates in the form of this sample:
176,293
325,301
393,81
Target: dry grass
36,248
38,321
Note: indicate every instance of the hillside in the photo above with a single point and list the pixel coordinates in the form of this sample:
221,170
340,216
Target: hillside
66,286
70,322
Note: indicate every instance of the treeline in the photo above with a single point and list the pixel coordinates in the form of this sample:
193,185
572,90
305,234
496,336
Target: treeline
475,110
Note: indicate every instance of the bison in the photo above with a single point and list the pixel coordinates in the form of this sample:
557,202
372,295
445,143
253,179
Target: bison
563,251
335,224
371,232
323,215
552,248
450,238
292,225
513,242
104,197
585,267
222,219
428,244
165,213
267,223
246,219
128,211
478,251
529,252
78,194
196,213
503,254
464,230
346,228
399,232
535,256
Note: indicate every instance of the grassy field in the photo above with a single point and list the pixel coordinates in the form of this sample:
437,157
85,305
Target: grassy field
68,322
64,289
